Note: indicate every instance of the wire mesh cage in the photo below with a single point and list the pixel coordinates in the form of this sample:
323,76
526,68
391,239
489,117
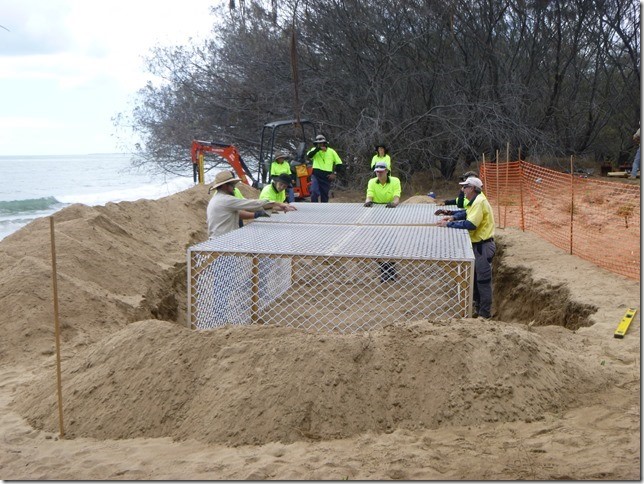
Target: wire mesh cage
344,278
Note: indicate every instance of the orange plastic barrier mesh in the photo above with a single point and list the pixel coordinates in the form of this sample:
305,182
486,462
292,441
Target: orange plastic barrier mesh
594,219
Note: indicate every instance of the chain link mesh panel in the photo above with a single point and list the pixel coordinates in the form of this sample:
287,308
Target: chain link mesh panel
330,277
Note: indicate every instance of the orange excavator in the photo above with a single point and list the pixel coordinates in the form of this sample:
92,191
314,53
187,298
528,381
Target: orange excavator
302,132
227,152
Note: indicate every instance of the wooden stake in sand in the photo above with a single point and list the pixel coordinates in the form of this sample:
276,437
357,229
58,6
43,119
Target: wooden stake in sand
56,327
572,200
498,198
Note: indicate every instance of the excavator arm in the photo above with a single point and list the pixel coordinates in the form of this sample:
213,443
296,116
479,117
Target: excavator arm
228,153
292,131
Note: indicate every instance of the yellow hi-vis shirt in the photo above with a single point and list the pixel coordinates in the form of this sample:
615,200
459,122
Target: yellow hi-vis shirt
269,193
479,212
325,160
279,168
381,159
238,194
380,193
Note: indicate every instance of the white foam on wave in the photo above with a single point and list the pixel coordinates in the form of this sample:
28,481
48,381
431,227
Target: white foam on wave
8,227
150,191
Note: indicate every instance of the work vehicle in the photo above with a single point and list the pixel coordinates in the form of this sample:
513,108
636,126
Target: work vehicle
274,136
227,152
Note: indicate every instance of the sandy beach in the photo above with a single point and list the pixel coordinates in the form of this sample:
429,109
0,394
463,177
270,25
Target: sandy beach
543,391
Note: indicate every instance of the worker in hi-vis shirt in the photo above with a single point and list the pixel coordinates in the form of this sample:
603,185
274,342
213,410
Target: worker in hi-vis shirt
325,163
382,155
281,166
460,201
385,190
478,219
275,191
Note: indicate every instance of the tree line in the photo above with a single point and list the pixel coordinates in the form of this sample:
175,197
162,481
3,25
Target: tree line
440,82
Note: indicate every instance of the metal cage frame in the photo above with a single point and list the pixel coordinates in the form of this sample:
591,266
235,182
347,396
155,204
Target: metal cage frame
371,267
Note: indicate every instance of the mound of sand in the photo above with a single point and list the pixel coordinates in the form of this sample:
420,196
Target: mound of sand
419,199
254,385
114,265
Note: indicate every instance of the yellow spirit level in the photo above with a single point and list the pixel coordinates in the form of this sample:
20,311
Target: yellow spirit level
625,323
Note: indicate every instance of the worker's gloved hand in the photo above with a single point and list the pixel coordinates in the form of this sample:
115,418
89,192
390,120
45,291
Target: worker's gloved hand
331,177
261,213
368,204
391,205
443,212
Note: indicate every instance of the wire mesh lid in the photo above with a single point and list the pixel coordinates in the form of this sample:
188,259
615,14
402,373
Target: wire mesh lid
391,241
357,214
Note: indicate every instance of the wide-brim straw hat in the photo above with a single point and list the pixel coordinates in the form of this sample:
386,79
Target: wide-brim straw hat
282,154
224,177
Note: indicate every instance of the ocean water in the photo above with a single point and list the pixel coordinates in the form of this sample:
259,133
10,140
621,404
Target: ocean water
38,186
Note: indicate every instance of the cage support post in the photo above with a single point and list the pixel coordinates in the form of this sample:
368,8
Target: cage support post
255,292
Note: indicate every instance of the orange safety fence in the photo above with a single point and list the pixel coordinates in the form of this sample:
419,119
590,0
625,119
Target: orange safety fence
596,220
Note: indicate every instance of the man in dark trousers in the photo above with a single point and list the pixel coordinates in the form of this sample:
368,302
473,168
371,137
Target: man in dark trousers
478,219
325,163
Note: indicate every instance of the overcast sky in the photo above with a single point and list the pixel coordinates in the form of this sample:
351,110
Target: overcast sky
67,67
